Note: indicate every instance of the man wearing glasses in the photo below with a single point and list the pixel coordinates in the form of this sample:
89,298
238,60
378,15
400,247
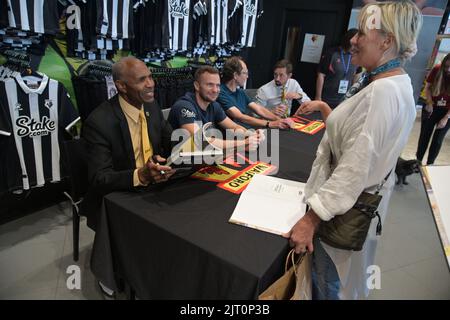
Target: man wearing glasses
238,105
278,94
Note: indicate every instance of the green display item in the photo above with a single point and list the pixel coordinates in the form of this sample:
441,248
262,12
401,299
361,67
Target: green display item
178,62
74,62
53,65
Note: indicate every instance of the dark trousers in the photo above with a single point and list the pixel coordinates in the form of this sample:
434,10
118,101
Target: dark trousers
426,130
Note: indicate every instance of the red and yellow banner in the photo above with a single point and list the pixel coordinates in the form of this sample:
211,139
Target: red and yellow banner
239,181
313,127
306,126
216,173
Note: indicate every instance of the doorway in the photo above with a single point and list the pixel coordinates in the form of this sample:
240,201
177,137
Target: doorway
298,26
281,32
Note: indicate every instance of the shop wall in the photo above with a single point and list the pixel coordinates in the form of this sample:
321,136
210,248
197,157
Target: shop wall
271,35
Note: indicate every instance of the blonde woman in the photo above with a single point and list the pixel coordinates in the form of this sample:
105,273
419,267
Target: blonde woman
436,112
364,137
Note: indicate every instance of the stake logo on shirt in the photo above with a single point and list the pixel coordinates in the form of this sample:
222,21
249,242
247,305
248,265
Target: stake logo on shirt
31,127
178,10
250,9
185,113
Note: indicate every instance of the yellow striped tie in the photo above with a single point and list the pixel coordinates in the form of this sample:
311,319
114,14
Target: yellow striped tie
147,150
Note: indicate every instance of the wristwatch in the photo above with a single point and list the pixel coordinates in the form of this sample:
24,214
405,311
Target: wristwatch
267,124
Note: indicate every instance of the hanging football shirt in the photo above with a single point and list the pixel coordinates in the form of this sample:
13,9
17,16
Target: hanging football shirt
218,21
115,18
33,117
252,9
177,24
40,16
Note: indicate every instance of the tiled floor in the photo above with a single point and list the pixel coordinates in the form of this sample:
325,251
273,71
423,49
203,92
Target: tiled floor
36,250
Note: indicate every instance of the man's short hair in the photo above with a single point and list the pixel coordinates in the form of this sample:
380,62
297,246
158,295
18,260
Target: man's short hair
345,42
231,66
284,64
204,69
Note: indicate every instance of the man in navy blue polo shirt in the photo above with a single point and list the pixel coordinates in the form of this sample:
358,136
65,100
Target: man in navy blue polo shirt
196,109
237,105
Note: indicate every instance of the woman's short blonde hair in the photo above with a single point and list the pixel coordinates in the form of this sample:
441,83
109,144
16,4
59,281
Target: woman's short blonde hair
402,19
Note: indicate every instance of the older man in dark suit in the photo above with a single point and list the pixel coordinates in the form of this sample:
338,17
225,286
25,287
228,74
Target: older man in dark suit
126,138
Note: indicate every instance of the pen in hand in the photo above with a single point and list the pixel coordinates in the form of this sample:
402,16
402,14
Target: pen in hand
155,161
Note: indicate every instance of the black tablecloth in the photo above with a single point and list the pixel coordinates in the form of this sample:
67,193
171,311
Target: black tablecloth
174,241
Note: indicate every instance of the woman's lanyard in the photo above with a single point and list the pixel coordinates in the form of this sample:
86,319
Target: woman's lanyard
366,76
344,83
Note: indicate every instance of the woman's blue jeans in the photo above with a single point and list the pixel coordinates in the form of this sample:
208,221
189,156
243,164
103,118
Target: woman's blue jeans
325,279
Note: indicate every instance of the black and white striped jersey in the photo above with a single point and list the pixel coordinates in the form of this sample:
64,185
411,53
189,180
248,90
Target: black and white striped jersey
200,24
251,10
218,22
177,24
115,18
242,24
74,32
40,16
148,36
4,14
33,117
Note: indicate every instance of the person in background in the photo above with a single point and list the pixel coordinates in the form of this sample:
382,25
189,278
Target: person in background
237,105
436,112
199,108
363,140
278,94
336,72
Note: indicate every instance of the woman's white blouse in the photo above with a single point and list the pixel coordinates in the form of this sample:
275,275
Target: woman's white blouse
366,134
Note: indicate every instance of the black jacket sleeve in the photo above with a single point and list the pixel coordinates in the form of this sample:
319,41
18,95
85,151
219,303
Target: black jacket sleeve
108,170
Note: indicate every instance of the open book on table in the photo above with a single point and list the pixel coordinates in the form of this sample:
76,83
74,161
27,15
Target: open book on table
270,204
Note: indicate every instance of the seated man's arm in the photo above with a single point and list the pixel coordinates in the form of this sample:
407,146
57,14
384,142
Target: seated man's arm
100,161
249,138
236,114
261,97
262,112
229,124
298,94
192,128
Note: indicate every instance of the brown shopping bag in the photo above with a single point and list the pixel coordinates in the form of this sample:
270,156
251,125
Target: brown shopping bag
295,283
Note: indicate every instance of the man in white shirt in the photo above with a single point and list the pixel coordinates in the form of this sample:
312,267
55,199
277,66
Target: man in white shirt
277,95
